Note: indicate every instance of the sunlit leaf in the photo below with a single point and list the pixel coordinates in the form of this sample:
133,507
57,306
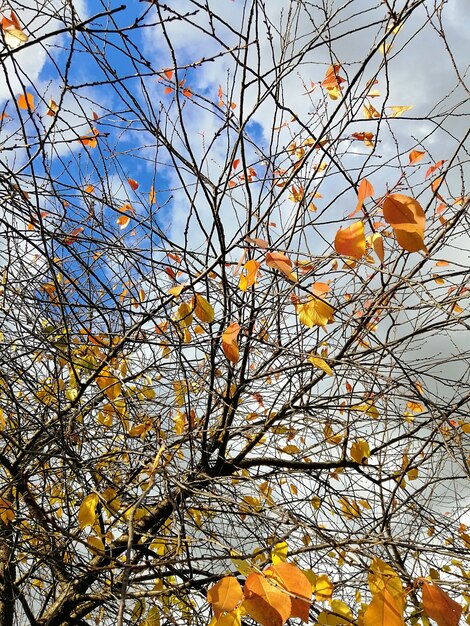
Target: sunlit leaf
12,31
249,274
399,110
225,595
280,262
265,602
52,108
26,102
315,312
350,508
203,309
87,511
279,552
293,580
415,156
7,512
229,342
378,245
434,167
365,191
351,241
133,184
407,219
109,384
323,588
360,451
320,363
384,610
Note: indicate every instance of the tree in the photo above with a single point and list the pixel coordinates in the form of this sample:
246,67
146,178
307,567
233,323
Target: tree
234,366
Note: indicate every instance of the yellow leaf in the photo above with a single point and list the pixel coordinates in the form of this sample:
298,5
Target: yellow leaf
368,408
249,273
95,545
185,315
87,511
397,111
203,310
320,363
242,565
351,241
384,610
279,552
108,383
350,508
407,218
315,312
7,512
381,577
340,615
360,451
323,588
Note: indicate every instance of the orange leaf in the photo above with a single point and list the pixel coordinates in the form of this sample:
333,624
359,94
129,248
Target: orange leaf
26,102
438,606
365,191
247,279
133,184
169,74
407,218
434,167
12,32
264,602
123,221
261,243
225,595
378,245
73,236
280,262
384,610
436,184
293,580
52,108
415,156
229,342
152,196
351,241
236,163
